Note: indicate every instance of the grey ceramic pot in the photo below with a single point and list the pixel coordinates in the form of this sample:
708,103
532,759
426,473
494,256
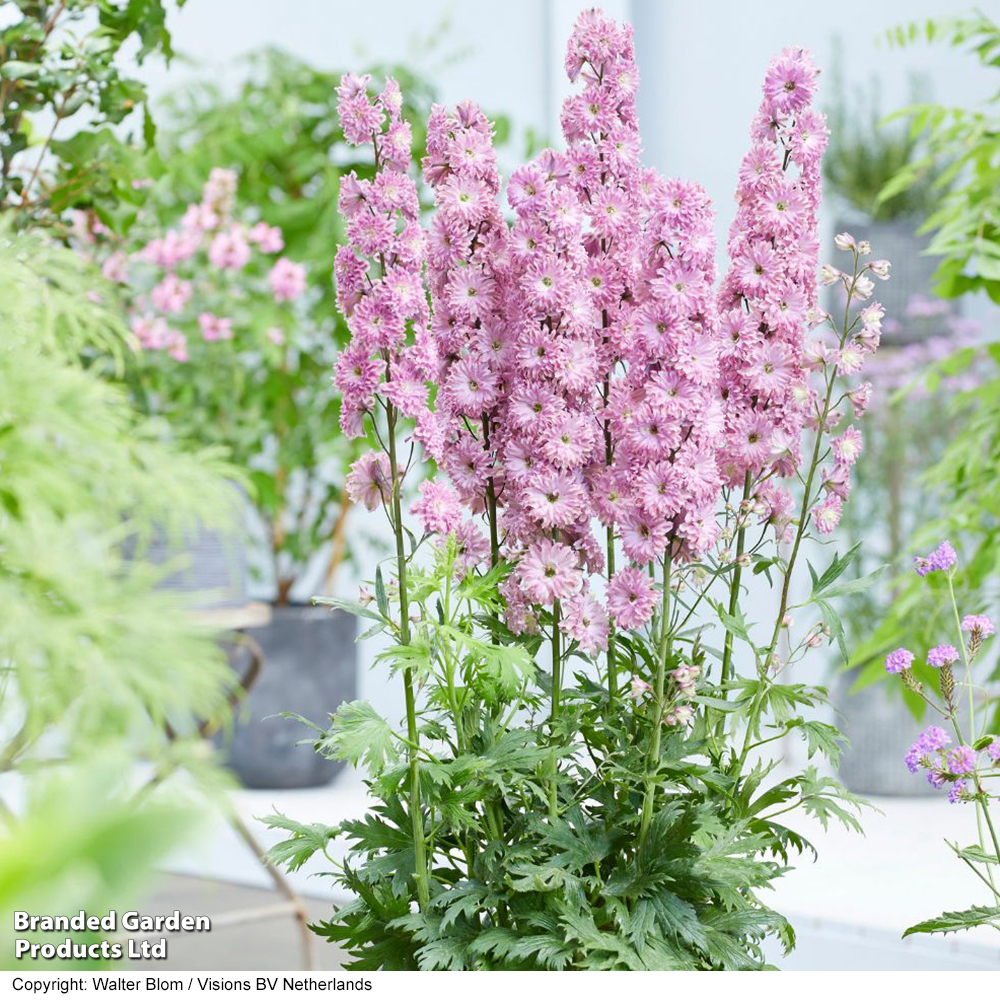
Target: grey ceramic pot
881,730
310,667
214,571
211,563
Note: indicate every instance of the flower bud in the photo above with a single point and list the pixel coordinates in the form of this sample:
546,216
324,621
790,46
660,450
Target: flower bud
829,275
947,685
639,688
863,287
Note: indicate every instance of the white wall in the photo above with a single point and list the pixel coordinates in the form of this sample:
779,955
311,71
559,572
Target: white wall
701,63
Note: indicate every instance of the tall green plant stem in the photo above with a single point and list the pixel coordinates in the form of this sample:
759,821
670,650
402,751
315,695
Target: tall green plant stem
653,759
803,522
413,740
608,460
726,673
800,531
982,809
491,501
492,813
556,694
807,492
556,662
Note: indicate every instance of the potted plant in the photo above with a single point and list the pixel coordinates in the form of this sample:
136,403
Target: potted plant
908,431
226,264
963,481
866,151
225,351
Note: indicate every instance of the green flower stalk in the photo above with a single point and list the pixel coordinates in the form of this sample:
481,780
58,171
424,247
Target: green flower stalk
413,738
971,768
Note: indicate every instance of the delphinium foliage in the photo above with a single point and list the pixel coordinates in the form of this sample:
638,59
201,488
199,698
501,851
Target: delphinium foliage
962,754
580,781
106,682
62,96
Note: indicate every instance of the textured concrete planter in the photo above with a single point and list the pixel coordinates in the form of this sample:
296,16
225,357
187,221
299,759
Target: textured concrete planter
215,568
212,563
310,667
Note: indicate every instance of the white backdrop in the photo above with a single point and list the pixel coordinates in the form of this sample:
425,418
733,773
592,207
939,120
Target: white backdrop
701,63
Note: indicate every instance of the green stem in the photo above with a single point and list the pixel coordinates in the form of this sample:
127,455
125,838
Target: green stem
982,811
653,759
556,663
556,695
491,501
807,493
609,461
612,663
416,812
734,599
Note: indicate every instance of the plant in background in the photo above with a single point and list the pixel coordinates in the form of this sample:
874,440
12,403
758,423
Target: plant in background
866,153
61,94
216,311
103,674
620,443
964,479
969,765
911,425
961,143
260,383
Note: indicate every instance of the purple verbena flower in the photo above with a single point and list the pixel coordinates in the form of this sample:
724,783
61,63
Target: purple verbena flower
942,656
978,625
962,760
932,739
943,557
898,661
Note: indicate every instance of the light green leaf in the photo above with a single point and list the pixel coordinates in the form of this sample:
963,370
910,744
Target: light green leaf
359,733
958,920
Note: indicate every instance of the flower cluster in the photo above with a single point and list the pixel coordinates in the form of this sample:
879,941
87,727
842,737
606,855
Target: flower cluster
181,282
589,373
379,270
943,766
941,559
572,255
468,269
678,709
768,297
960,766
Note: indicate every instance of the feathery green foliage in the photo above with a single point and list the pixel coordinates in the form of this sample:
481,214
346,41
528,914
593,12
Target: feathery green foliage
100,672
